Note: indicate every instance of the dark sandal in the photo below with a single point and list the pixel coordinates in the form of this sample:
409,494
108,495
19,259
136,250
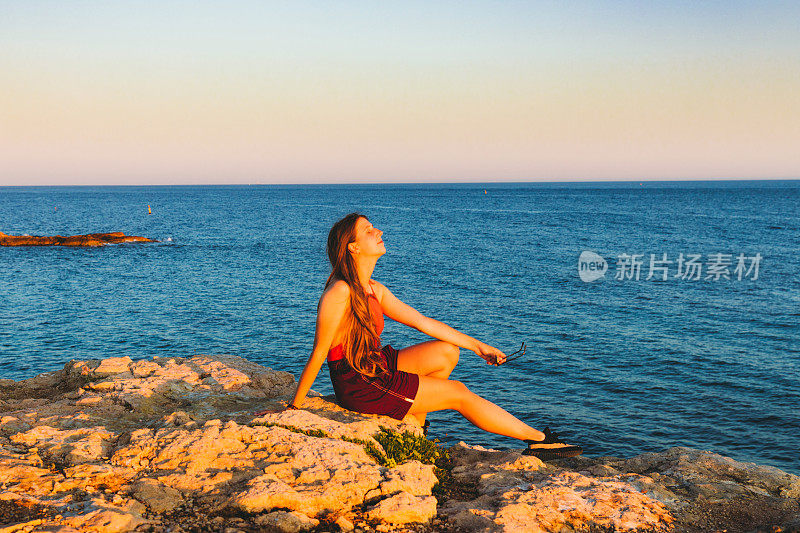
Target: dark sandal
551,437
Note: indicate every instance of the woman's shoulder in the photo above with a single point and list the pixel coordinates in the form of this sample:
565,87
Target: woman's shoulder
337,290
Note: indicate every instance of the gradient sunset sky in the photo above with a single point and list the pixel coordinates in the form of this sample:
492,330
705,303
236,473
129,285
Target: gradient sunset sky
113,92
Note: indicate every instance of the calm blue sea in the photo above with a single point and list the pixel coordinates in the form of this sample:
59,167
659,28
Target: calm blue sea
620,366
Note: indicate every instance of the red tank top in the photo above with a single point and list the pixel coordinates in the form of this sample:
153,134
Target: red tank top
336,353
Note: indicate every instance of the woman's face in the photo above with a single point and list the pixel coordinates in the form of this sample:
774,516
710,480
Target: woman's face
368,241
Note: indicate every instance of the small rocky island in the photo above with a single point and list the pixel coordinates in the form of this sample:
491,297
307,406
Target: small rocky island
91,239
172,444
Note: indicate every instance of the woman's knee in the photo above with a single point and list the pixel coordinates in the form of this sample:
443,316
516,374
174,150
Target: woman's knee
431,358
448,357
452,353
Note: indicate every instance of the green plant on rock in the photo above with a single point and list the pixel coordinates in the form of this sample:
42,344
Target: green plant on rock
369,447
406,446
398,448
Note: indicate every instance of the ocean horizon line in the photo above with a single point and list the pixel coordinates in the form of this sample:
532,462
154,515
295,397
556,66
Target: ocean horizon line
772,182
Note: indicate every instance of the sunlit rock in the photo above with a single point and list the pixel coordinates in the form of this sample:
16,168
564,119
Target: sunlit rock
116,445
404,508
286,522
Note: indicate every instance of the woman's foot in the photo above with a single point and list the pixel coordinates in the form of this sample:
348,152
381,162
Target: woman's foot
552,447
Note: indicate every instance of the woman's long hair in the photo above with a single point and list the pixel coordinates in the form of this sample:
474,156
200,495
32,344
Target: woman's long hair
360,338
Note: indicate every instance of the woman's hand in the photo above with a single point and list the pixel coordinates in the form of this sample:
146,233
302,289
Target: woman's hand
492,355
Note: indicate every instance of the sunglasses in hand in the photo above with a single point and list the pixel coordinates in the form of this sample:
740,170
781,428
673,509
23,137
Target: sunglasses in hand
515,355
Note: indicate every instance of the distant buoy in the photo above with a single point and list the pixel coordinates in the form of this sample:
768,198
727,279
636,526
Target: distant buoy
55,208
149,211
484,191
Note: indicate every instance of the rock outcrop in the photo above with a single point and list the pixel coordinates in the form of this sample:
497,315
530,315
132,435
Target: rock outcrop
680,489
92,239
172,444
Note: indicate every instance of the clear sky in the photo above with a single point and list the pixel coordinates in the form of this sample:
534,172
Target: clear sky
162,92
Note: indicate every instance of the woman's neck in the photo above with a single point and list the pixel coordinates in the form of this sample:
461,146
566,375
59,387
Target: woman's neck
365,269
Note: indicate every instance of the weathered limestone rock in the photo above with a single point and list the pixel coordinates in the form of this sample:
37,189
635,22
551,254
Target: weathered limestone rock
134,437
158,497
715,473
286,522
331,422
208,384
344,524
412,477
331,477
709,491
106,517
404,508
73,446
681,489
25,473
111,366
120,445
520,493
91,239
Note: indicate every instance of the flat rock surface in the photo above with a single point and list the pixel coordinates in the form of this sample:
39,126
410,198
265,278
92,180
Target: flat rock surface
173,444
91,239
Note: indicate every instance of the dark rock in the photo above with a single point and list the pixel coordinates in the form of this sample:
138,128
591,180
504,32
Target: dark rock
92,239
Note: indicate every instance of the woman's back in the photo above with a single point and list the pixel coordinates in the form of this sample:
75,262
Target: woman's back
336,352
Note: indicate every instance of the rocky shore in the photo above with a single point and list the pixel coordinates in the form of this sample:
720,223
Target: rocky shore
172,444
92,239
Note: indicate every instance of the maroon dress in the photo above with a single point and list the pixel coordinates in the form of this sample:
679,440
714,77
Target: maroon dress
390,394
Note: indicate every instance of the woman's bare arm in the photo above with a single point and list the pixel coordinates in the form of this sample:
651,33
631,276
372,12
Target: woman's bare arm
405,314
332,307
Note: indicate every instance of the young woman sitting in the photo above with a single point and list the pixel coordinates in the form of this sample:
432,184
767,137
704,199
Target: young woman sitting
372,379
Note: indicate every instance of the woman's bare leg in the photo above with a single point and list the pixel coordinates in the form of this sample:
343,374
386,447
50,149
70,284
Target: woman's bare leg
435,394
432,358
